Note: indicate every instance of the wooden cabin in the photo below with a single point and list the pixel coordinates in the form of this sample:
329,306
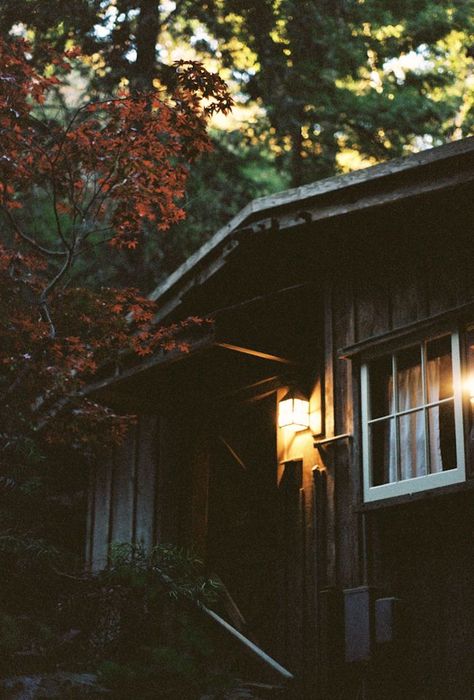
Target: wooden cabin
347,545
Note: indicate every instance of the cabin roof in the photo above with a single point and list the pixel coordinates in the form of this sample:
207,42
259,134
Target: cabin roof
435,169
224,269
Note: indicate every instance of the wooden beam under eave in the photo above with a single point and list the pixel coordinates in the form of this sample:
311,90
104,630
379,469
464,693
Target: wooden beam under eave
257,353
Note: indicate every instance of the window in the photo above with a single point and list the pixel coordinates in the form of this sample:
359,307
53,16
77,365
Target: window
412,413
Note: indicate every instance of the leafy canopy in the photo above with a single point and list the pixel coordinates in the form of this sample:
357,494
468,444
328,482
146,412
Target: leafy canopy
105,170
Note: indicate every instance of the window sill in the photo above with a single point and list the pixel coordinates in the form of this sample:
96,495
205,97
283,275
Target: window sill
429,494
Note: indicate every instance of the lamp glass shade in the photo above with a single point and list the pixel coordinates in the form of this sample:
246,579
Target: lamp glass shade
293,411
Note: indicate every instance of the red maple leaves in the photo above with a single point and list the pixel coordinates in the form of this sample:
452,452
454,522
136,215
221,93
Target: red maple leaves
106,168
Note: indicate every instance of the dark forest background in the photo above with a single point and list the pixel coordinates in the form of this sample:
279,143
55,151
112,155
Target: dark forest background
321,88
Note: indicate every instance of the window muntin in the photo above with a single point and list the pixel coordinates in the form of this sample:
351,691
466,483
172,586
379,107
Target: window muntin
412,419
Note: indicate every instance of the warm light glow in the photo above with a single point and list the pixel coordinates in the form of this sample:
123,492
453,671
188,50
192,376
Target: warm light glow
293,411
469,385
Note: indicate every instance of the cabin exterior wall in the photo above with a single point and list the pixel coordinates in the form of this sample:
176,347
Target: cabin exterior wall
378,277
414,550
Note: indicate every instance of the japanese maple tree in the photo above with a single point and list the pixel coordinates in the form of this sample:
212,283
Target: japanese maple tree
106,168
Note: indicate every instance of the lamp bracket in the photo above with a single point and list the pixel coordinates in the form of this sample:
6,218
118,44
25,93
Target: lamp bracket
330,440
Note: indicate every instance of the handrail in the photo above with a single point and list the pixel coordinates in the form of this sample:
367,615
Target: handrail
248,644
237,635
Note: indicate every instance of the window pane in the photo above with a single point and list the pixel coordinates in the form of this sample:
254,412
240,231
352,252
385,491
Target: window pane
383,452
381,387
409,380
439,369
442,437
412,445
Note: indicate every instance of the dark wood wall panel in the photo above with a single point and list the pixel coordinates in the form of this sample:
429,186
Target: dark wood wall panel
329,355
446,286
341,522
368,269
343,322
146,472
387,283
199,497
172,447
123,494
123,490
415,275
405,281
431,570
99,546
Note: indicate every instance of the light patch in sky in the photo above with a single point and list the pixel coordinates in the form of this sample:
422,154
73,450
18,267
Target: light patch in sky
422,143
414,61
201,35
18,29
103,30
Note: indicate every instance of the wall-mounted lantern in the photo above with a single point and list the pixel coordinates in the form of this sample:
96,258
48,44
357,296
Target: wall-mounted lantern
293,411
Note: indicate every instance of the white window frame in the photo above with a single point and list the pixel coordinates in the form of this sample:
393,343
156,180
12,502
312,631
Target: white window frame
428,481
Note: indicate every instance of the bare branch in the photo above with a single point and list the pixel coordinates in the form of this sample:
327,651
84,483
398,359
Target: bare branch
28,239
56,214
43,301
90,246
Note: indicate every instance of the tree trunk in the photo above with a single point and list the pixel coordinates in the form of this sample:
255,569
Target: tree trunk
148,26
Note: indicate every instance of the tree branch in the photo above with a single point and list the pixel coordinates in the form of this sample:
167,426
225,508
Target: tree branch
28,239
43,301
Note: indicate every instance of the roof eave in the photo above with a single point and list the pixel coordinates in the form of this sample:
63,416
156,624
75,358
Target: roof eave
308,200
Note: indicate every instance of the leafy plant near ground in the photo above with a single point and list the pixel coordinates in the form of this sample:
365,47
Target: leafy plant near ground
137,624
176,569
161,646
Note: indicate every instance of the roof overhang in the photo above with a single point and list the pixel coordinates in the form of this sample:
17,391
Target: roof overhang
429,172
213,366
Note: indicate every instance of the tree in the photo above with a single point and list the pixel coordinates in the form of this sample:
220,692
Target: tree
342,84
105,170
118,41
350,83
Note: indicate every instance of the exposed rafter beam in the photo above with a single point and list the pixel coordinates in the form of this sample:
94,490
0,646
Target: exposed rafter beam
257,353
234,454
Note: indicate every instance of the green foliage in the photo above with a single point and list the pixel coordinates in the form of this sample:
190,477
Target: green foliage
179,570
189,665
220,183
17,633
324,87
344,84
138,622
28,547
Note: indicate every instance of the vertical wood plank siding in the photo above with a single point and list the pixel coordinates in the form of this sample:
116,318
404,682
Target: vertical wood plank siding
122,501
99,546
145,481
415,269
123,496
168,497
390,274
